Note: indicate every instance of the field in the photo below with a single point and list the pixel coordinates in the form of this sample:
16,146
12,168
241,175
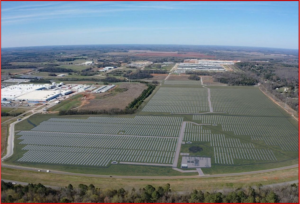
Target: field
68,104
178,100
15,71
14,110
178,184
119,97
209,81
159,76
4,134
181,77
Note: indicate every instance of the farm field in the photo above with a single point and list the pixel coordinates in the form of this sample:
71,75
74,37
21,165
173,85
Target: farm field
178,100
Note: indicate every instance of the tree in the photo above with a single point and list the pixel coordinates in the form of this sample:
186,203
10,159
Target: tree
271,197
70,187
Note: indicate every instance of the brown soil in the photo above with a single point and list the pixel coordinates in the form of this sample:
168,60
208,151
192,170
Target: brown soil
86,100
114,99
209,80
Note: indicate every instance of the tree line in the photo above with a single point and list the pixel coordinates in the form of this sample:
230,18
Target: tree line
11,193
10,114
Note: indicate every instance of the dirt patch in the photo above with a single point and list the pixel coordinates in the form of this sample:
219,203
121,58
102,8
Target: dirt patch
114,98
181,77
159,76
209,80
86,100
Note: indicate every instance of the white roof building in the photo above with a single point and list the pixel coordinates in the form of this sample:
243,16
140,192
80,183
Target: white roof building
39,96
12,92
88,63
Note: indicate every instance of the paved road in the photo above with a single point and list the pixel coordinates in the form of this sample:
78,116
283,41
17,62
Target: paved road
201,81
209,102
199,170
179,141
11,136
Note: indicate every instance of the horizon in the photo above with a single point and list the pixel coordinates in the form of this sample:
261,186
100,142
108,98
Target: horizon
231,46
272,25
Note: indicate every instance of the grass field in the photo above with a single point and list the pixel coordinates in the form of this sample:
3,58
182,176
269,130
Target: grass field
179,184
13,110
15,71
4,134
68,104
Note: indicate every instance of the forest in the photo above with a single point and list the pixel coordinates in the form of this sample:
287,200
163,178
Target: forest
11,193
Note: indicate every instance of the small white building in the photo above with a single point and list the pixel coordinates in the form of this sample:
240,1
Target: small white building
61,75
88,63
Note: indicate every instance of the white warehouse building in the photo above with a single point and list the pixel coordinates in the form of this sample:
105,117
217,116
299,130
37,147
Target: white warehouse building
40,96
14,91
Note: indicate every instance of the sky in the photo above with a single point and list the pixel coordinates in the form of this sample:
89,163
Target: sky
254,24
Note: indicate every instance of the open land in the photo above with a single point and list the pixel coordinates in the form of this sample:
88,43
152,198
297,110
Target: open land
159,76
119,97
179,184
209,81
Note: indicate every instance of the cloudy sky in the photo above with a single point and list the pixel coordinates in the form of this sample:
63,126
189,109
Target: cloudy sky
256,24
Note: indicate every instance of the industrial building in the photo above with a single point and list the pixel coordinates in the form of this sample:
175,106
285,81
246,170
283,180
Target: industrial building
106,69
103,89
88,63
39,96
203,65
14,91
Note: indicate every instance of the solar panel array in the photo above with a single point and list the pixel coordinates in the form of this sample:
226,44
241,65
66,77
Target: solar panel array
65,141
226,149
178,100
272,130
242,101
140,125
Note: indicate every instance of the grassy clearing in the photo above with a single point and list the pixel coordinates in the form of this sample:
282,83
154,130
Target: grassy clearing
180,184
68,104
14,110
15,71
4,135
